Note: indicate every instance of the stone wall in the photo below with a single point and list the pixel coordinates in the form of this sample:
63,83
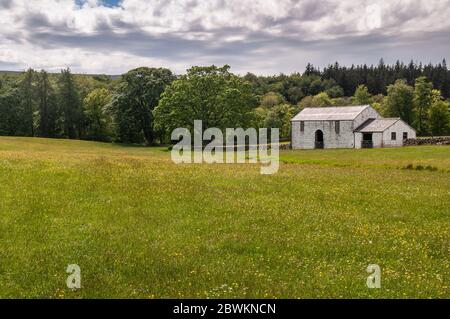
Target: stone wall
428,141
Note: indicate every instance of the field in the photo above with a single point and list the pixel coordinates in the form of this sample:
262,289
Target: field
140,226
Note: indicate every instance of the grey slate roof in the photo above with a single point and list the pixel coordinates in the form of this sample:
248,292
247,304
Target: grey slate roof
376,125
341,113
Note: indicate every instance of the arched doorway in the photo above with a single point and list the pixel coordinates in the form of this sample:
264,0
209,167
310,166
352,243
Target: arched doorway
318,143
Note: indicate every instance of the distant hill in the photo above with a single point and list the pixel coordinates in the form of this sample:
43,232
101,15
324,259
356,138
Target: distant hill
14,73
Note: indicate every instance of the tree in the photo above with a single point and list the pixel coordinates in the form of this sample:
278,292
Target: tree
271,99
335,92
436,96
322,99
362,96
70,104
211,94
28,101
136,98
48,113
10,120
259,116
422,102
439,117
127,127
305,102
319,100
399,101
97,116
341,101
280,117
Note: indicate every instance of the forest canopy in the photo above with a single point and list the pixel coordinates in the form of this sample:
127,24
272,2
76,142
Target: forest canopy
143,105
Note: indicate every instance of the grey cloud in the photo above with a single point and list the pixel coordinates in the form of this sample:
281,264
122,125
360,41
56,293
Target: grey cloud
262,50
258,45
6,4
37,20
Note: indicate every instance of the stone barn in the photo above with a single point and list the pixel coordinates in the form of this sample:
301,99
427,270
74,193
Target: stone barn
347,127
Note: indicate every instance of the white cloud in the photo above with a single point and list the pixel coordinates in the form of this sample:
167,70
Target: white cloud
254,35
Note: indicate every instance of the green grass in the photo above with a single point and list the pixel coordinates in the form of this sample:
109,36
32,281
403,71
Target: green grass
140,226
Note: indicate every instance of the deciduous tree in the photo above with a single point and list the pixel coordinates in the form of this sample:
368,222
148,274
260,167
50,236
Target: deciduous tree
439,118
399,101
136,98
422,102
211,94
362,96
95,108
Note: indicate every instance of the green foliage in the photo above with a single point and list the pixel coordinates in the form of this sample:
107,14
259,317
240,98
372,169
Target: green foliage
335,92
69,101
86,84
135,99
341,101
95,108
211,94
49,115
319,100
399,102
439,114
280,117
362,96
259,116
378,77
10,113
379,107
17,106
27,91
436,96
422,102
271,99
127,127
52,104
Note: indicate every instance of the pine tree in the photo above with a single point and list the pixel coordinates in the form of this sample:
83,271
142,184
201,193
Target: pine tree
28,98
47,107
70,104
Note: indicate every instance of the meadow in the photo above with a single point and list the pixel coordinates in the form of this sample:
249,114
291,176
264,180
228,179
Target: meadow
140,226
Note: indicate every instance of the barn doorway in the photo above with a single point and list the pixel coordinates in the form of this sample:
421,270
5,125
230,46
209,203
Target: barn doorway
367,141
319,139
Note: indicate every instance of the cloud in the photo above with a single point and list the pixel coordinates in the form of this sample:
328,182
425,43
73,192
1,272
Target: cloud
261,36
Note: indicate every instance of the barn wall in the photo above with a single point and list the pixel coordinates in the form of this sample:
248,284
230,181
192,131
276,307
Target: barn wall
358,140
306,139
377,140
297,136
345,139
399,127
367,113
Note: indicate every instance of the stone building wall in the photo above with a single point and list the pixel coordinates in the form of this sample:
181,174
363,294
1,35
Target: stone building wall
344,139
399,128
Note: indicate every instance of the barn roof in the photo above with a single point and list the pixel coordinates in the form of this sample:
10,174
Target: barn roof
341,113
376,125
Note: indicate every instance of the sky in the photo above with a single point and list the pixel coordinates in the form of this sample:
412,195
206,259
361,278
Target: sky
259,36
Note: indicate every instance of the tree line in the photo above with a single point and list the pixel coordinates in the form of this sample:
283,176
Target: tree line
144,105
